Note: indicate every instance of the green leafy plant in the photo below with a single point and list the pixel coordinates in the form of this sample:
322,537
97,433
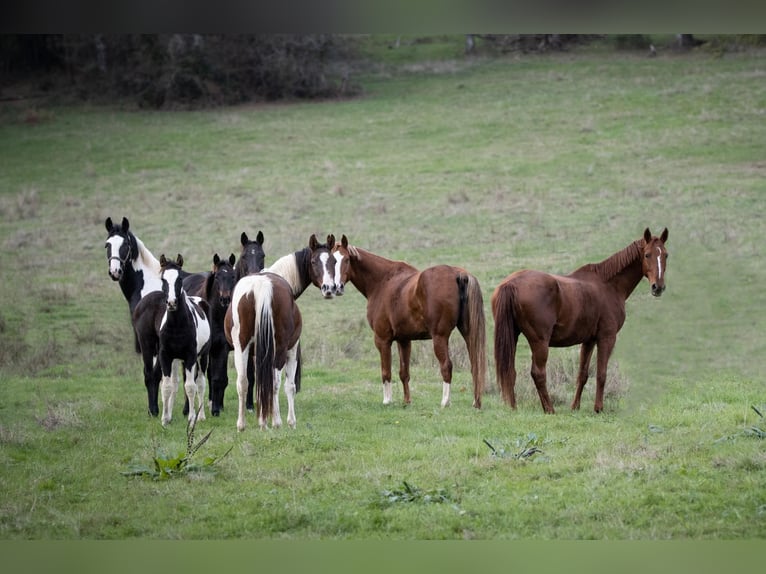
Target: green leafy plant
525,447
411,493
167,466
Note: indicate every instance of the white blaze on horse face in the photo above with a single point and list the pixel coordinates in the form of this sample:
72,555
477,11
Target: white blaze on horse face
659,264
338,263
327,280
115,241
170,276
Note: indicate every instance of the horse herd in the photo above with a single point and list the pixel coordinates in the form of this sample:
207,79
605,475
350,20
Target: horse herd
195,319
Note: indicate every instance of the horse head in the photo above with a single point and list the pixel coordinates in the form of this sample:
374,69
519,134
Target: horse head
655,260
343,253
322,266
172,282
120,247
252,259
225,278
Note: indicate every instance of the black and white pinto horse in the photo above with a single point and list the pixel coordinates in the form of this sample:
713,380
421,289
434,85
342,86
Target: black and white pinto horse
138,272
172,325
315,265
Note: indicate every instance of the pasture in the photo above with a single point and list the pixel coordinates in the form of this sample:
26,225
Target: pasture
494,165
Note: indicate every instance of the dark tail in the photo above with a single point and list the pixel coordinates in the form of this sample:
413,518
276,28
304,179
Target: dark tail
505,341
298,370
473,327
264,360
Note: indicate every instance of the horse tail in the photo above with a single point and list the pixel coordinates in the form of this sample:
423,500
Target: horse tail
298,369
473,326
506,337
264,350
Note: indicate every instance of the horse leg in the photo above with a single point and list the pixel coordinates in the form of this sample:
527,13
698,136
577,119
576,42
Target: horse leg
291,367
441,350
405,350
218,378
276,416
152,376
168,387
190,388
240,363
605,347
201,382
539,360
586,350
384,348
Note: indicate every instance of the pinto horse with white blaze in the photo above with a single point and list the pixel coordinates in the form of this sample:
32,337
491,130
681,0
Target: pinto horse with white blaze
263,319
404,304
586,307
138,272
315,265
174,325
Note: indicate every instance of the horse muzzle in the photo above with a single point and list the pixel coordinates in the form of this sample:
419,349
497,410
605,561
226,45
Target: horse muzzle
328,291
657,289
172,305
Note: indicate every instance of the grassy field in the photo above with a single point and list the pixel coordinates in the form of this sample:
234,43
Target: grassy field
494,164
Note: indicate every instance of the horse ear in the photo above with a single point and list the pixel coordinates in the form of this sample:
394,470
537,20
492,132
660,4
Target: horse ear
330,241
180,260
647,235
216,261
232,260
243,239
259,238
163,261
125,224
664,236
344,241
313,243
109,225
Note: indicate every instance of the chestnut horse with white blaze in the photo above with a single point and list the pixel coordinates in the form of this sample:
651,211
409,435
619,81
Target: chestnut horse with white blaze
586,307
264,317
404,304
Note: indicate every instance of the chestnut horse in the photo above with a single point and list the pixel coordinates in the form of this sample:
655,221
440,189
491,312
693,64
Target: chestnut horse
404,304
263,315
586,307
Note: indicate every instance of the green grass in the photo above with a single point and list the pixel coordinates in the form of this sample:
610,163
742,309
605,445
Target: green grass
492,164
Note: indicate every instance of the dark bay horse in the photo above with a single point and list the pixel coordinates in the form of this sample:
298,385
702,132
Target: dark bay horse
172,325
404,304
216,288
252,258
263,320
586,307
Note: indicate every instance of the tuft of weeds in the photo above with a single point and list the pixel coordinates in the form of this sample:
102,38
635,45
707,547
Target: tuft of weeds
524,448
169,466
409,493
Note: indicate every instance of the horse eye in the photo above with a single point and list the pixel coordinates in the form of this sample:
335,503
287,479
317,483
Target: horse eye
648,255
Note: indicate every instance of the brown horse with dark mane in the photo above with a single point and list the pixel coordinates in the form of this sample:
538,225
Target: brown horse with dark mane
586,307
404,304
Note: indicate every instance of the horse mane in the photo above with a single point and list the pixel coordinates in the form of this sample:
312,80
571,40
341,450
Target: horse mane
615,264
290,269
147,257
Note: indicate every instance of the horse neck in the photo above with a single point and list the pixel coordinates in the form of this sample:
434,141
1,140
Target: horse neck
623,270
146,263
294,268
182,315
368,271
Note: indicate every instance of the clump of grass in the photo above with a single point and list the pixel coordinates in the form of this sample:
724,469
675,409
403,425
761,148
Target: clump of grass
168,466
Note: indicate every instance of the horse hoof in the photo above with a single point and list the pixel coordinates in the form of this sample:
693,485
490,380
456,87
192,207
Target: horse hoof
215,413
